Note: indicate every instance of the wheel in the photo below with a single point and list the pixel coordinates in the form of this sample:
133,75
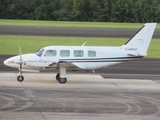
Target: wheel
20,78
57,77
62,80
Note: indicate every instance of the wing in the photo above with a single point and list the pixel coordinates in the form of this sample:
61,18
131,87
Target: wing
55,64
67,64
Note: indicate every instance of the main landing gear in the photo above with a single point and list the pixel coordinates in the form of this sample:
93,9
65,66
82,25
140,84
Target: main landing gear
61,76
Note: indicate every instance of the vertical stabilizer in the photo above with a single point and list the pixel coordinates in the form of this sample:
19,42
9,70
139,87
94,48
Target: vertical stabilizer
141,40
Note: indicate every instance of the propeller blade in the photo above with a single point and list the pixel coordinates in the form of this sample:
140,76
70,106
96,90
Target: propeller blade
20,53
20,67
21,61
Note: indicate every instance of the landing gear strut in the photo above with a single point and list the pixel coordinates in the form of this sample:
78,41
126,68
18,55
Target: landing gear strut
61,76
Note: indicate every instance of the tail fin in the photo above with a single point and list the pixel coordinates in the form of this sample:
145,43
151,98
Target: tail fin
141,40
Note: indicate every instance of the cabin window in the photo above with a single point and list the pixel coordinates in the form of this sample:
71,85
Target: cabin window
40,52
50,53
91,53
64,53
78,53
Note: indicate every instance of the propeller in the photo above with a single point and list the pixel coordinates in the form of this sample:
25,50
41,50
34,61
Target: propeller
21,61
20,78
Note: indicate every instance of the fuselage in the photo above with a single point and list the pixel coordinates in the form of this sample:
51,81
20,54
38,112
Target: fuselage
84,57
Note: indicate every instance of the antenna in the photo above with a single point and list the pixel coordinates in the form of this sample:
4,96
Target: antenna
84,43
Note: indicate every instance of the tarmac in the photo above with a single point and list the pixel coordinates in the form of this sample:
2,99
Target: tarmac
71,32
84,96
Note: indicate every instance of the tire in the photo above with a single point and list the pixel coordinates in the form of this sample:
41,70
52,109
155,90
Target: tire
20,78
57,77
62,80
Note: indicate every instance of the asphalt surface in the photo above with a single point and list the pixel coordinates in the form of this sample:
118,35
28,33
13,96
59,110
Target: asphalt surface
74,32
83,97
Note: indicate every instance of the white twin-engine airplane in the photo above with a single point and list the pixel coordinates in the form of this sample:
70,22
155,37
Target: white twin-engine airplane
83,57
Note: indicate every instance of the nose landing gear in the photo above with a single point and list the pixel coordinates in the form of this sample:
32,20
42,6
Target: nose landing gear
20,78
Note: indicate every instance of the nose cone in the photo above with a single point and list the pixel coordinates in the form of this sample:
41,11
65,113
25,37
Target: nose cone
5,62
10,63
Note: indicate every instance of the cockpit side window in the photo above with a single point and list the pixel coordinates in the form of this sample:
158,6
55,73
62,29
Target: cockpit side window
40,52
50,53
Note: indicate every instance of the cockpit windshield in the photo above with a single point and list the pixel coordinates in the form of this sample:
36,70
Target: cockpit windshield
40,52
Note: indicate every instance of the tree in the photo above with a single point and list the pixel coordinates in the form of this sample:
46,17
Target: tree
82,10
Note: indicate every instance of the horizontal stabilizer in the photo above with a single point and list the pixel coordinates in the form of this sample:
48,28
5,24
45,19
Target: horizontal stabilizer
134,55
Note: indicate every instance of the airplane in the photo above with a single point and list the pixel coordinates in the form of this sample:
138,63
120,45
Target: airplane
82,57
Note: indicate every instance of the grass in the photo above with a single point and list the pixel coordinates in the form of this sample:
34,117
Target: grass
10,44
70,24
